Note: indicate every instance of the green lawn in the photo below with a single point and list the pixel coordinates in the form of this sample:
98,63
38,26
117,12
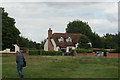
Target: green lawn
62,67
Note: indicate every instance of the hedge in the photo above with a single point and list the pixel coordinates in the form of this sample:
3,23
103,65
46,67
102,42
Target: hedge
111,51
34,52
47,53
79,51
52,53
84,50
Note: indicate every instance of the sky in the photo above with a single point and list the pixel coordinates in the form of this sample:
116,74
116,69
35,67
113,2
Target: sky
34,18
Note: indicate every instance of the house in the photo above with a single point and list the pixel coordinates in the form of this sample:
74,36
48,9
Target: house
7,50
61,41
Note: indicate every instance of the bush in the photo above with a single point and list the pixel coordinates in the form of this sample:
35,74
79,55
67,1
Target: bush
52,53
118,50
47,53
112,51
81,51
84,50
103,50
72,52
34,52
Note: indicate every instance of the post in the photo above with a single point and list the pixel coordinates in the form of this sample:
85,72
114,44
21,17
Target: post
62,53
75,53
40,52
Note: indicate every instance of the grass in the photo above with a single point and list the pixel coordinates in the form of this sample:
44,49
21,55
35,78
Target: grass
62,67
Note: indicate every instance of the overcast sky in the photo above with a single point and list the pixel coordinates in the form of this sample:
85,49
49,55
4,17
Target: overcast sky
33,19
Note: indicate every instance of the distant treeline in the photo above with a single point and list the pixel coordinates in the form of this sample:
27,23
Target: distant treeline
107,41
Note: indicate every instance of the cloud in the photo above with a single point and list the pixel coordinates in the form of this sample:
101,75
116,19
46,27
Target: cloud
60,0
33,19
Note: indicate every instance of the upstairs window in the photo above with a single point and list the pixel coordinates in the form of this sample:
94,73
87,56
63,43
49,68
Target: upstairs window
61,39
68,39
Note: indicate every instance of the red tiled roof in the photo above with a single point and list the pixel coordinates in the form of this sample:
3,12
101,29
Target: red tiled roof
73,36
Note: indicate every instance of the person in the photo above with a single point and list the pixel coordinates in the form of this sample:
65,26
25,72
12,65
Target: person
20,61
105,54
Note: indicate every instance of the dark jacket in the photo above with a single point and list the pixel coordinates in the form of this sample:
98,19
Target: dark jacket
19,58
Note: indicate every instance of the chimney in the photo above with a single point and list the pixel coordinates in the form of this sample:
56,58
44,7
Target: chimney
49,42
49,33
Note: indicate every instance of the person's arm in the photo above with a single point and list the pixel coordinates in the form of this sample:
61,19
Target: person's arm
23,58
16,59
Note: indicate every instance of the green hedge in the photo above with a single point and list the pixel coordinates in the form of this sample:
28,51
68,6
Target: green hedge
34,52
112,51
84,50
47,53
72,52
52,53
79,51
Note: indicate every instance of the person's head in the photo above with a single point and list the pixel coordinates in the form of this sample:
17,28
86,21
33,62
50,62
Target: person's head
18,52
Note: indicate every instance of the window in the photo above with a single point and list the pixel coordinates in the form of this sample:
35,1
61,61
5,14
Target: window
61,39
68,39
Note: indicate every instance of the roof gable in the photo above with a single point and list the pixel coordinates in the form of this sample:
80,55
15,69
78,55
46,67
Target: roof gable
73,36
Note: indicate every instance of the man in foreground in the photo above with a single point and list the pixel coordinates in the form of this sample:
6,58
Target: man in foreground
20,62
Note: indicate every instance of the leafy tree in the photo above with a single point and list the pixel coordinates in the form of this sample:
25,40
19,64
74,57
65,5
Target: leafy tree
96,40
83,42
42,44
78,26
111,41
10,34
25,43
0,28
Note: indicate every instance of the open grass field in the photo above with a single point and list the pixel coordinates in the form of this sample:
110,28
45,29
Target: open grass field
62,67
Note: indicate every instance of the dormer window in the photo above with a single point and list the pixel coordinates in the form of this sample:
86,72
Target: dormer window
68,39
61,39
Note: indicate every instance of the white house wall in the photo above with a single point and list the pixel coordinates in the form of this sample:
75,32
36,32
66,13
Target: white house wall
57,48
76,45
46,45
67,49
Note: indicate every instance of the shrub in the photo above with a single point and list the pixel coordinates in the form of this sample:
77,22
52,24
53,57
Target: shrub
103,50
81,51
47,53
112,51
34,52
52,53
84,50
118,50
72,52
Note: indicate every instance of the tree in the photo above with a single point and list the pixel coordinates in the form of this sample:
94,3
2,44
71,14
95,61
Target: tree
83,42
111,41
42,44
10,34
78,26
96,40
25,43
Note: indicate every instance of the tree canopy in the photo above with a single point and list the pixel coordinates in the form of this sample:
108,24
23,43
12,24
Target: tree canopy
78,26
110,40
11,35
83,42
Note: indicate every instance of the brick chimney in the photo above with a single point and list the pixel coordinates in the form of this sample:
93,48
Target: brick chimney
49,33
50,46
